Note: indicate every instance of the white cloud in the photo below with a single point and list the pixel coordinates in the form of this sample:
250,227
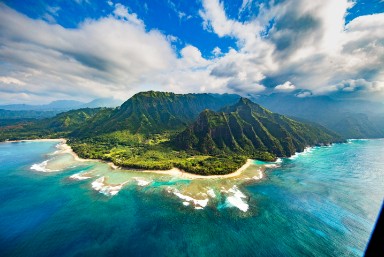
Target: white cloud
172,38
122,12
353,85
287,86
10,80
192,56
308,44
246,4
304,94
308,48
216,51
105,57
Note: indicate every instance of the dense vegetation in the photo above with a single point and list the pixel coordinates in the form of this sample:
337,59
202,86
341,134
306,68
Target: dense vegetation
155,112
156,130
248,129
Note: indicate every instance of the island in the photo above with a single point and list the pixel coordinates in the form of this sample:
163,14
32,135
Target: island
204,134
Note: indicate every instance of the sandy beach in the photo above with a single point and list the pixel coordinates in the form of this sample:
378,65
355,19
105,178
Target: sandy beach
65,148
180,173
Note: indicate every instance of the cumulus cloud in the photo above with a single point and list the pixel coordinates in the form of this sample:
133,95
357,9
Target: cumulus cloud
105,57
306,44
287,86
192,56
112,56
291,44
304,94
216,51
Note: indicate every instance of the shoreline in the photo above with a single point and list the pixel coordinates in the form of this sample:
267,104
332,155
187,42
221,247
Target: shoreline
37,140
65,148
183,174
172,172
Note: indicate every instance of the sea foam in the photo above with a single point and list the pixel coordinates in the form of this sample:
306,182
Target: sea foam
108,190
199,204
258,176
42,167
307,150
211,193
80,176
141,182
236,199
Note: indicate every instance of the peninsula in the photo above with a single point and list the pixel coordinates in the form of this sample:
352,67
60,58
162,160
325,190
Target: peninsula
205,134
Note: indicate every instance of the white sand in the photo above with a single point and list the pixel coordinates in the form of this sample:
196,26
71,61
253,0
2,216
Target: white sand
180,173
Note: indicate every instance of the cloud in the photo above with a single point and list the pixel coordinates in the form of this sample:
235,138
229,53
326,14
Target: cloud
122,12
287,86
192,56
10,80
306,44
300,47
112,56
180,14
352,85
304,94
216,51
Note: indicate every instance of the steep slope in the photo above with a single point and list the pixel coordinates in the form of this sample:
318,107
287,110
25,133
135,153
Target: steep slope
155,112
249,129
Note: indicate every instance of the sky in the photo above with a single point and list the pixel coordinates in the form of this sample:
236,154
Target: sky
87,49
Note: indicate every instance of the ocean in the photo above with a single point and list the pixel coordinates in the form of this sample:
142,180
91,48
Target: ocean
322,202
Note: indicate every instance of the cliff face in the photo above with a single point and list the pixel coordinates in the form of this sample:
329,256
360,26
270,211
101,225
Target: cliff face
248,128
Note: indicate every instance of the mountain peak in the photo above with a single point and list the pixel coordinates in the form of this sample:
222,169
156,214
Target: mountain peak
153,94
244,101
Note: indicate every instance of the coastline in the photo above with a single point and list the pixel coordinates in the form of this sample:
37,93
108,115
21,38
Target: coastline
65,148
176,172
37,140
183,174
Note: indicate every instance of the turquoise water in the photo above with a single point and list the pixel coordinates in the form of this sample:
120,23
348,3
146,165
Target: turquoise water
321,203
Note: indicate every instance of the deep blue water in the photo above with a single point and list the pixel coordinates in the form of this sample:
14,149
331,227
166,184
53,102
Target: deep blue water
322,203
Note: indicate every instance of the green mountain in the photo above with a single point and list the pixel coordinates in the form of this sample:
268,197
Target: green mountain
155,112
200,133
248,129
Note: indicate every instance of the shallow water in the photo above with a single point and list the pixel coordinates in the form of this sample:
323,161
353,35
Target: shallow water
323,202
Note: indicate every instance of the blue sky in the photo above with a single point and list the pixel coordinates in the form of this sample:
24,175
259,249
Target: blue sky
83,49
